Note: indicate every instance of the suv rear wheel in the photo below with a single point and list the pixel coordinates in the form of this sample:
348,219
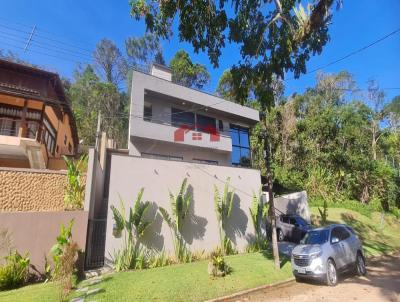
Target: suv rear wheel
331,274
360,265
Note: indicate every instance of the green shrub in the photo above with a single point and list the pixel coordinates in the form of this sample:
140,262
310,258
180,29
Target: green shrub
15,272
217,265
259,244
63,239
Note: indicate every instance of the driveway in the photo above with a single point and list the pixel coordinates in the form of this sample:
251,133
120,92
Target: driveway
382,283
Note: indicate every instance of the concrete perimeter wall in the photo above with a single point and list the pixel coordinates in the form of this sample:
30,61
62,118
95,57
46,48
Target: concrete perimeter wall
36,232
158,177
31,190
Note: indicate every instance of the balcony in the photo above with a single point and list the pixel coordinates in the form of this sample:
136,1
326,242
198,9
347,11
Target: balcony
27,140
167,132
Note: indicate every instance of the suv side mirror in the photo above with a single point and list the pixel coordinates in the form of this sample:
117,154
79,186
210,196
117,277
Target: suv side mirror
334,240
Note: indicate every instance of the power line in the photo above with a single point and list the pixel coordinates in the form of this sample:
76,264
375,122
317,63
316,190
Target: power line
396,31
39,30
34,43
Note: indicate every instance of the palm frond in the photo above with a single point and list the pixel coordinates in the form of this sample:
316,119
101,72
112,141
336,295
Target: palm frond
118,218
167,217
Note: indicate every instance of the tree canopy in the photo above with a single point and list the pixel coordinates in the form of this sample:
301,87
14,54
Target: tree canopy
273,37
187,73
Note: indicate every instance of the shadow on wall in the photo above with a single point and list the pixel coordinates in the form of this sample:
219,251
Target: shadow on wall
152,238
194,227
237,223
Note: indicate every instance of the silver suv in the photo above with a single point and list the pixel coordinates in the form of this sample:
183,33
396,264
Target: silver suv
323,252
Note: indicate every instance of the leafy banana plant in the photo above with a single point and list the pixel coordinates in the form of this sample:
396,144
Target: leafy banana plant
258,212
75,188
223,208
134,226
180,204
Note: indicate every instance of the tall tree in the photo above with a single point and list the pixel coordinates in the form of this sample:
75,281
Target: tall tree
143,51
109,62
272,39
187,73
89,97
376,99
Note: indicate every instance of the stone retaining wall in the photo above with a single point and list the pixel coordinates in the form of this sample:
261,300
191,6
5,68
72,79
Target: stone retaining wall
31,190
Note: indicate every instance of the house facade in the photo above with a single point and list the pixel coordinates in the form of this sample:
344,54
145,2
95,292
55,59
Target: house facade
174,133
36,122
169,121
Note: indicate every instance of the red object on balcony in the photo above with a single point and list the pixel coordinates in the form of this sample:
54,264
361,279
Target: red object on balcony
196,136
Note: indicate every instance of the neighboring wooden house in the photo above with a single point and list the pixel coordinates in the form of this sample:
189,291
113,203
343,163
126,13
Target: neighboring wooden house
37,126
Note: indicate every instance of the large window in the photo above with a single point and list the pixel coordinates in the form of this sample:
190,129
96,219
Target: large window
205,123
147,112
181,118
240,146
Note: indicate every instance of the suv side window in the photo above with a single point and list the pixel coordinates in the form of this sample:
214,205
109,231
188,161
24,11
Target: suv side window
335,235
292,220
344,234
285,219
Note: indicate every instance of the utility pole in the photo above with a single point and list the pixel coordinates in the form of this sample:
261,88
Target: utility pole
98,133
271,211
30,38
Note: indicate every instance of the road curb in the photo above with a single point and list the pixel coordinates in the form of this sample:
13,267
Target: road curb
248,291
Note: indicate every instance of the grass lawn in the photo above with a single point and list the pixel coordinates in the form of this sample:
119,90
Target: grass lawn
183,282
190,282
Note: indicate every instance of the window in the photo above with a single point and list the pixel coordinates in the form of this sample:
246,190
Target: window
65,140
221,125
205,161
205,123
316,237
162,156
182,118
69,148
147,112
48,136
285,219
339,233
240,146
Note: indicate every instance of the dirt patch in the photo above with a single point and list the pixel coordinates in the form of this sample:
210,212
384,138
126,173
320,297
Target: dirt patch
382,283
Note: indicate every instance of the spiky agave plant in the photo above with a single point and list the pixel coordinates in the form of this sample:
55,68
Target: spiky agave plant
223,208
180,204
134,227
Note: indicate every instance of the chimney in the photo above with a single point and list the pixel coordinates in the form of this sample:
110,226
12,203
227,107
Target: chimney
161,71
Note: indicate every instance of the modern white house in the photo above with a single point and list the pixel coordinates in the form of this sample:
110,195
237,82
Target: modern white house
175,132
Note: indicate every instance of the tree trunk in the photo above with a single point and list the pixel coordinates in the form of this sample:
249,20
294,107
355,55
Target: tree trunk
271,212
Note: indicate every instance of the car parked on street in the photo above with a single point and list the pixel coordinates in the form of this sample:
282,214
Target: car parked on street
326,251
290,227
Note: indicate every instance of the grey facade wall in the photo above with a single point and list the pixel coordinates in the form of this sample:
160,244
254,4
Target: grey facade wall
95,185
158,177
294,203
36,232
157,135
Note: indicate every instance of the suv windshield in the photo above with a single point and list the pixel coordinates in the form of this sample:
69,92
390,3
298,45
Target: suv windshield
316,237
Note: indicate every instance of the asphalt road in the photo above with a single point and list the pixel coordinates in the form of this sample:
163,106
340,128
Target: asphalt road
382,283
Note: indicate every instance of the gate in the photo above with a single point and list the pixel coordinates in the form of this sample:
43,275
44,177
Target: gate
96,243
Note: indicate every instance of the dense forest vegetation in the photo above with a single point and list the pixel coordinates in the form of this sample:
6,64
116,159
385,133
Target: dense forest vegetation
337,142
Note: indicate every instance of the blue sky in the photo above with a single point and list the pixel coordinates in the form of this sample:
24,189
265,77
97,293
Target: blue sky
83,23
